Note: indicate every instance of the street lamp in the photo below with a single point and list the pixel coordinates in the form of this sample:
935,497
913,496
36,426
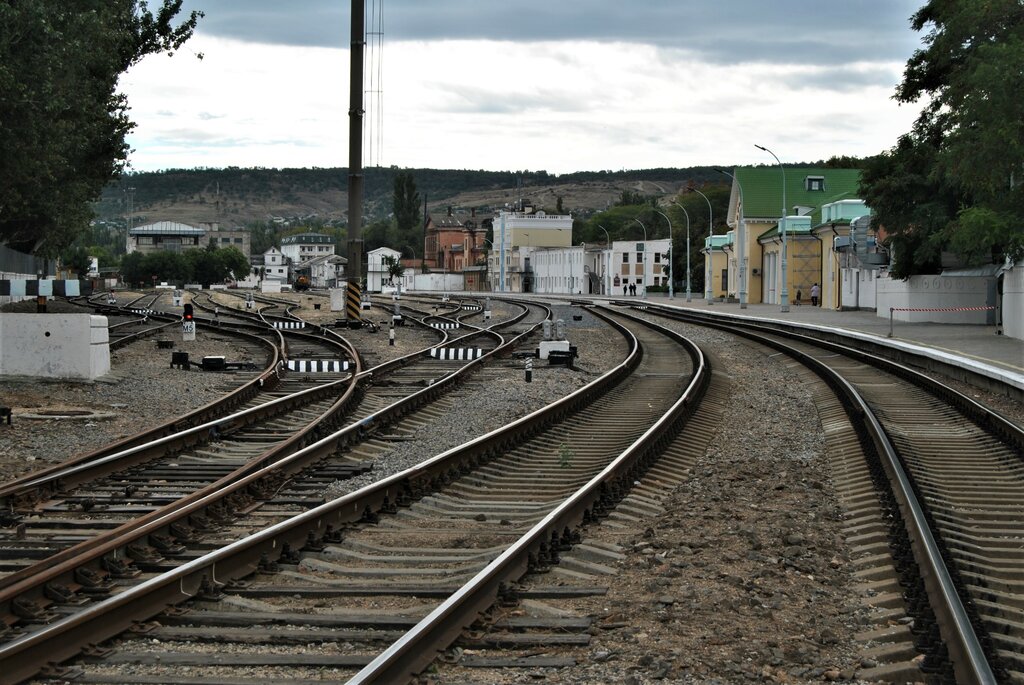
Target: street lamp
784,294
688,267
491,243
741,252
671,277
709,296
643,266
604,271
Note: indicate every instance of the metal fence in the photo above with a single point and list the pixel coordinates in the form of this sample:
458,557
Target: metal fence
14,264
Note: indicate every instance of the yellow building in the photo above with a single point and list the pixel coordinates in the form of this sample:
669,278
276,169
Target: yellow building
755,205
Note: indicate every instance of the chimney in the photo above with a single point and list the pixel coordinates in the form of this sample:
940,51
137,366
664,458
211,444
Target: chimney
449,210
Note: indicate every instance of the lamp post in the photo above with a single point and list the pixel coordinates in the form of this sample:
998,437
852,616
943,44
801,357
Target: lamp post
784,294
604,274
741,252
689,297
643,265
583,266
708,294
489,261
671,251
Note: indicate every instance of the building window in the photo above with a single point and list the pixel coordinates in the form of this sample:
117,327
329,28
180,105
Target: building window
657,258
145,240
225,240
639,257
814,183
238,241
625,258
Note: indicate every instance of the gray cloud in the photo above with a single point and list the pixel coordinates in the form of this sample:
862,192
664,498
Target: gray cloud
727,31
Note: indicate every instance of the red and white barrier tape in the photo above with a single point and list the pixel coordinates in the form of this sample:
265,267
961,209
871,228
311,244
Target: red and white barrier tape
941,309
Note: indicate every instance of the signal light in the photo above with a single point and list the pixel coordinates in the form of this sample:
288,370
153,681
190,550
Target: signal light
188,312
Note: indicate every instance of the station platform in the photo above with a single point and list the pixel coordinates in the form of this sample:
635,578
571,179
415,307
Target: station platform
978,347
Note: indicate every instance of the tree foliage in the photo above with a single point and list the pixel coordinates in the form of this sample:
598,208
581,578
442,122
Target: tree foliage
406,203
394,267
63,123
954,181
207,266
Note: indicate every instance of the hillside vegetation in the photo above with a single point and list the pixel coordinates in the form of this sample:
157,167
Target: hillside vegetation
235,197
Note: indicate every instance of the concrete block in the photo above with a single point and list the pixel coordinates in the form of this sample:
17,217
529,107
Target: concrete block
547,346
74,346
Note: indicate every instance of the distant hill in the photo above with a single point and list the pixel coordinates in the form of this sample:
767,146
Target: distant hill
236,197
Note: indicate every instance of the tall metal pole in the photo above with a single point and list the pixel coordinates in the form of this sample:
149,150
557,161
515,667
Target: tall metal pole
604,275
689,298
643,269
355,161
708,293
671,252
741,252
784,294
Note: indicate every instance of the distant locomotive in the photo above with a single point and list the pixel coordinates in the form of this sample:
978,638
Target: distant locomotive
301,283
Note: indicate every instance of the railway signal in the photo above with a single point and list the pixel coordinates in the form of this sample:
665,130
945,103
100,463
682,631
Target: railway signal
188,325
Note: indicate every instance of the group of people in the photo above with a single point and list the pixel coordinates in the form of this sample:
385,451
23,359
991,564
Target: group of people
815,294
629,288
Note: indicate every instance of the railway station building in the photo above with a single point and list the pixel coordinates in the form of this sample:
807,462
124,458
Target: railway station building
754,215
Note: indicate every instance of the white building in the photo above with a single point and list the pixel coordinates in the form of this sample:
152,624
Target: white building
275,266
516,236
302,247
377,276
323,272
637,263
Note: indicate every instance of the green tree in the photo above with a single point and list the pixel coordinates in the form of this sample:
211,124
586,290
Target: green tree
76,259
406,203
394,267
64,124
954,181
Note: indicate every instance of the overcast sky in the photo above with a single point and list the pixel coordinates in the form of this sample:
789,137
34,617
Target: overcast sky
559,85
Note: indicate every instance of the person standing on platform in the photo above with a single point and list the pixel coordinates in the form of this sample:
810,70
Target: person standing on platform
799,296
815,291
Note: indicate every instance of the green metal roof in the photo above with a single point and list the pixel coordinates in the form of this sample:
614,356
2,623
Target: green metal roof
307,239
762,188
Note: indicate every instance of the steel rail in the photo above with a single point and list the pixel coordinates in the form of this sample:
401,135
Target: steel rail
415,650
266,380
63,639
967,654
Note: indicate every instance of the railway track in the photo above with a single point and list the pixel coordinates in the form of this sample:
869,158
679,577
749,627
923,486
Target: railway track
465,499
142,554
951,473
939,445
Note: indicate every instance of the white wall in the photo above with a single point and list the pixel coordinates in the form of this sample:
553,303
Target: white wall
54,345
439,282
926,292
1013,302
858,288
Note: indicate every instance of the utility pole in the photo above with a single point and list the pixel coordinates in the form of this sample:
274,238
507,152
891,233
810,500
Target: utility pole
353,295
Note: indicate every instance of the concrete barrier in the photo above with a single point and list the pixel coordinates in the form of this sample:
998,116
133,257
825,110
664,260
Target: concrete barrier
73,346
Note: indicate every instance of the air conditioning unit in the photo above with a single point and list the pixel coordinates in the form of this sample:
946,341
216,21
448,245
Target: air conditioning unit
841,242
